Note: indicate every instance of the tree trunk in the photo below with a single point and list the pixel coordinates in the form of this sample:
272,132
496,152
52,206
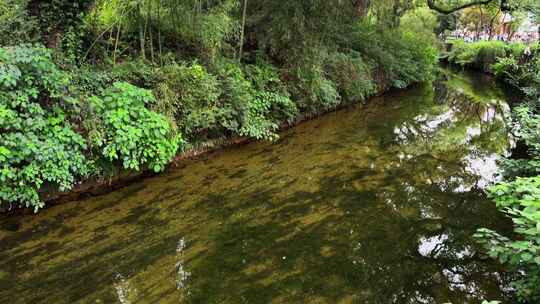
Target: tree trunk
241,47
160,47
491,24
141,31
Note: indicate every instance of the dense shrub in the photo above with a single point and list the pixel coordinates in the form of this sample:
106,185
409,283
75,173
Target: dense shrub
16,26
56,16
38,144
402,55
520,200
130,133
522,72
508,70
352,76
271,90
311,87
215,68
189,95
417,29
42,130
415,61
526,124
247,110
482,55
248,102
519,195
137,72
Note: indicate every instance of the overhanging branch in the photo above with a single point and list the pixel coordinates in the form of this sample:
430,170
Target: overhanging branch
448,10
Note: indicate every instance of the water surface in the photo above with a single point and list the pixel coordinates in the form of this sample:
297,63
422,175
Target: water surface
375,203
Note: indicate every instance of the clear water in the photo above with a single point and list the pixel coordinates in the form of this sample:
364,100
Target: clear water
375,203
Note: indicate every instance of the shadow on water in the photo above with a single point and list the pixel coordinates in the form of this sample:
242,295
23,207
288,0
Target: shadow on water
372,204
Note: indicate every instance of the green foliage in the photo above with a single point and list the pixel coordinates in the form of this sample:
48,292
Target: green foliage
322,76
59,13
521,72
189,95
519,197
291,30
131,133
312,87
351,75
524,74
250,103
507,69
402,55
420,44
138,72
520,200
421,21
38,145
214,28
87,79
72,46
248,111
269,88
269,103
526,130
16,26
203,28
242,79
483,55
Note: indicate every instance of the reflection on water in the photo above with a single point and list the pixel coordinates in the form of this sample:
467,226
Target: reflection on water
182,274
371,204
124,292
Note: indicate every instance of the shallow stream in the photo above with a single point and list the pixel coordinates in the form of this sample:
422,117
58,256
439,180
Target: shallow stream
374,203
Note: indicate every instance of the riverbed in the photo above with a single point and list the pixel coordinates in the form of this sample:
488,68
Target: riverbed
374,203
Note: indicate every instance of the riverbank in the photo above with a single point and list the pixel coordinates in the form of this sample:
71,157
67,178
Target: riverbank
123,178
376,194
99,96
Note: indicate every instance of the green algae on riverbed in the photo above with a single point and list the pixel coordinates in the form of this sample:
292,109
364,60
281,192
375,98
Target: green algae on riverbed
371,204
